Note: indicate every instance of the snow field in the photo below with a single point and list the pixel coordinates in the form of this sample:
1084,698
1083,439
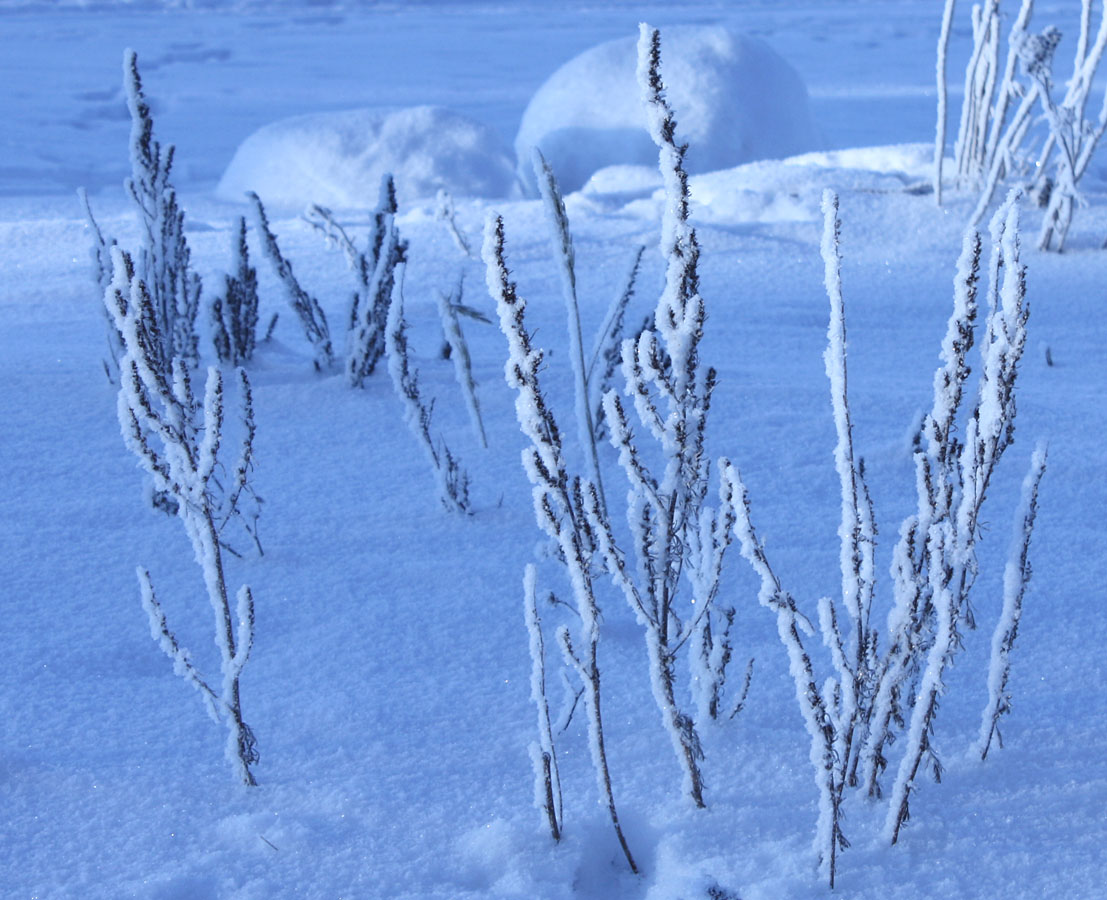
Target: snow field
389,684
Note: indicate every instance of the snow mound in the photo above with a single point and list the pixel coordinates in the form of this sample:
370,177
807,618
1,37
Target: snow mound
791,190
337,159
911,160
734,98
766,191
616,181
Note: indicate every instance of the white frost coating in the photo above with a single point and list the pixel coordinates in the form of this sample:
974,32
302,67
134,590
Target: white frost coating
547,783
378,279
244,629
814,712
1071,131
213,426
1016,576
613,558
561,240
159,421
940,135
950,377
856,530
852,542
591,705
336,159
710,650
180,657
931,686
1007,88
949,490
521,368
553,505
845,708
463,366
663,519
306,307
452,481
637,383
679,316
608,342
737,99
988,432
989,137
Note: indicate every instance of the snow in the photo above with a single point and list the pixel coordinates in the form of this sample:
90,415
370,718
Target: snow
735,100
389,678
337,159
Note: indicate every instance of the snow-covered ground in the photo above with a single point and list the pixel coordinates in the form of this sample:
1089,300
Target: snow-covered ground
389,684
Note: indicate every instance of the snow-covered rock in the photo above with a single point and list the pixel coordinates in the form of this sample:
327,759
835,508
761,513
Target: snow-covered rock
735,101
337,158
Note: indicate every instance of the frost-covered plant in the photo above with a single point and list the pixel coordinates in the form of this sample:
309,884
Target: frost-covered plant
1070,133
959,475
177,440
834,713
559,501
874,698
444,211
561,240
547,778
453,482
989,135
306,307
940,131
1015,579
163,261
100,255
448,306
234,314
375,269
675,535
998,113
814,705
608,346
1033,55
853,653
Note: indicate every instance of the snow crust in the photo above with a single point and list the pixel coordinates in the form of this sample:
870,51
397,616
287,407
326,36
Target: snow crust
336,159
735,100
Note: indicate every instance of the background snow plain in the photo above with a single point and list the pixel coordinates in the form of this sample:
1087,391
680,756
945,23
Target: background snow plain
389,683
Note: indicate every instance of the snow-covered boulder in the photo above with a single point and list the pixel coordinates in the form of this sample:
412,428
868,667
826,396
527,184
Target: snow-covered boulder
337,159
735,101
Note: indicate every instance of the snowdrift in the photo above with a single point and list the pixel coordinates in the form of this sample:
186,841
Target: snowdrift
734,98
337,159
766,191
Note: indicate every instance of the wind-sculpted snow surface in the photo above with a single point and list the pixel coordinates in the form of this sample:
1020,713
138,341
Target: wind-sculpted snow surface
735,98
337,159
